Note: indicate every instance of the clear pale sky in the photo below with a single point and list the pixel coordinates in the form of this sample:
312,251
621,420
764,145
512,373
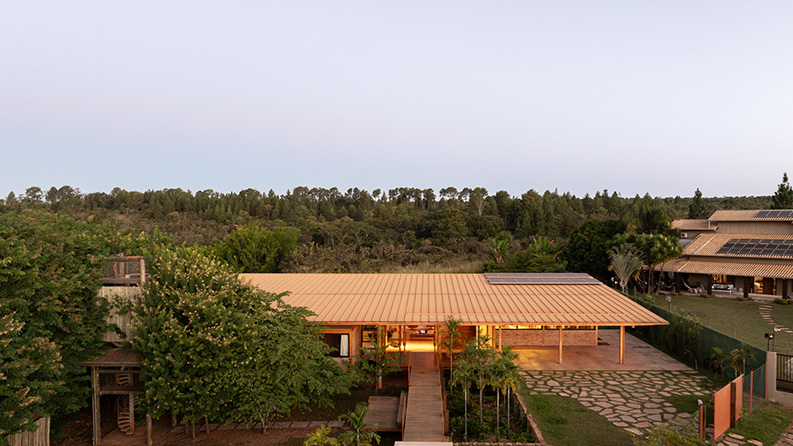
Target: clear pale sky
632,96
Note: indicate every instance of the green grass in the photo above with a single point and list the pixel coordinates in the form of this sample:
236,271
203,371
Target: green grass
686,403
563,421
765,423
740,320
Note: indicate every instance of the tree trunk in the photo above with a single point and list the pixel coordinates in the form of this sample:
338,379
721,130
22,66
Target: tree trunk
264,426
206,423
509,408
498,416
481,390
465,437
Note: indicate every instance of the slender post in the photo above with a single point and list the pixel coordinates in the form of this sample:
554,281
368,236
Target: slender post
596,335
131,411
751,389
95,407
560,344
622,344
148,430
142,271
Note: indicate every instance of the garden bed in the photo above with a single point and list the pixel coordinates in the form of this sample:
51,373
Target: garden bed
514,426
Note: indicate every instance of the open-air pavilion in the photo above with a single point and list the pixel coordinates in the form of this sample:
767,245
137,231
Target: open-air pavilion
517,309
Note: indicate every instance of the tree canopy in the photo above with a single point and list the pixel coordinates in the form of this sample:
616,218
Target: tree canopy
783,197
215,347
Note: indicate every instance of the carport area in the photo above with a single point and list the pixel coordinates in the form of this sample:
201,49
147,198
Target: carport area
638,356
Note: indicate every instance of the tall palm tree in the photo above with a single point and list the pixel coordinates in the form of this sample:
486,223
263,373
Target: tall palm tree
464,377
453,339
511,377
625,263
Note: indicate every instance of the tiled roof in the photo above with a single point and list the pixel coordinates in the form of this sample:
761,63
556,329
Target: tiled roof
743,215
748,269
432,298
693,225
709,244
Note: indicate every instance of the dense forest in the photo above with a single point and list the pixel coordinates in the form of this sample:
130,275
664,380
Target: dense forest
52,246
402,229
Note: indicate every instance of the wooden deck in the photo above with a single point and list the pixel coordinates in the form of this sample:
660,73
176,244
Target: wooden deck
383,413
424,415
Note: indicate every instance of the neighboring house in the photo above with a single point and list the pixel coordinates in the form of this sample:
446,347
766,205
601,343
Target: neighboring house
517,309
737,251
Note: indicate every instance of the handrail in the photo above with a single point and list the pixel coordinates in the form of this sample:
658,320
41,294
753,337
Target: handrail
404,414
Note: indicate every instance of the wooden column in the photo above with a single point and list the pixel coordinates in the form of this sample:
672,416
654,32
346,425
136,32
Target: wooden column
746,284
784,289
709,284
148,430
131,400
596,335
678,282
500,340
95,406
560,344
142,271
622,344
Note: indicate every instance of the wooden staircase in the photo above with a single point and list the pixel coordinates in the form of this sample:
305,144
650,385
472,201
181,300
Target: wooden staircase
124,418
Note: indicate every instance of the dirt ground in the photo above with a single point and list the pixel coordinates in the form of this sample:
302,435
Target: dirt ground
78,431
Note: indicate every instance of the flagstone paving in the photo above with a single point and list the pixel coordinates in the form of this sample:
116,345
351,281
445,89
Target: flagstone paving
765,314
632,400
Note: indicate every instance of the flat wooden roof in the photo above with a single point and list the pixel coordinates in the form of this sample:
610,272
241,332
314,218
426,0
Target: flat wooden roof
432,298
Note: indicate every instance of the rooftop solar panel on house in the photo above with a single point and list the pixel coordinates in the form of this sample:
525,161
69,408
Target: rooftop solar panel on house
758,247
540,279
785,213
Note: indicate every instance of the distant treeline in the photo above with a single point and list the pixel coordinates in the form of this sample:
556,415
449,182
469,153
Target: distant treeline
358,230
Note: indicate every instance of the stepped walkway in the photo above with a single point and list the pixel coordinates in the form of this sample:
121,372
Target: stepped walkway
424,415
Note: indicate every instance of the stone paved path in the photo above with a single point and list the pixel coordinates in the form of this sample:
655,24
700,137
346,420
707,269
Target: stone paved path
765,314
632,400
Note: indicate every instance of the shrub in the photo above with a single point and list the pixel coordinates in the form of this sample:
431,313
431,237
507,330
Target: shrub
705,295
781,301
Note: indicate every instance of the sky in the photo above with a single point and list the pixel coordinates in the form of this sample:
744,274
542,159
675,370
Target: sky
631,96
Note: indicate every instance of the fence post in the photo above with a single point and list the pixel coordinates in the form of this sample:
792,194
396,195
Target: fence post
751,389
702,421
733,405
770,376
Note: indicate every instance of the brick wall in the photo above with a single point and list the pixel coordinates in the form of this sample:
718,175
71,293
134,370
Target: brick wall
548,338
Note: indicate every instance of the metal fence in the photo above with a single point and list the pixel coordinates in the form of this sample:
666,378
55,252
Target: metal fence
754,387
784,372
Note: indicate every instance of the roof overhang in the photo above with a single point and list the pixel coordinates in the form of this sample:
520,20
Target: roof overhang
373,299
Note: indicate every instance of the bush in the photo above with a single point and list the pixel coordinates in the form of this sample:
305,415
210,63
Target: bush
782,301
705,295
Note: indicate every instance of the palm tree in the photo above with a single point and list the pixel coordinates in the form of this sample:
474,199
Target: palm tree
480,354
625,263
360,433
464,377
321,437
511,377
453,339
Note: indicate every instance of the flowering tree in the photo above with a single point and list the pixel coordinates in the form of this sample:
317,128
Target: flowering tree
215,347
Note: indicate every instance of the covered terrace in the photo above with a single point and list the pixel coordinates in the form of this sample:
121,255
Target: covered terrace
522,310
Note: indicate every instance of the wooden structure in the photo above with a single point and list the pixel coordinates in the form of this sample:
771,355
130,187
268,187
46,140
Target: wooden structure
424,414
124,271
517,309
41,437
118,374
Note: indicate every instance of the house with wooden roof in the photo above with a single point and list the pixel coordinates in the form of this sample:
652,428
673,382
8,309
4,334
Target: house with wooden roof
745,251
520,310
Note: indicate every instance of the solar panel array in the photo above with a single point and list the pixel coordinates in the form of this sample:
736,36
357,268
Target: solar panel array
775,214
540,279
756,246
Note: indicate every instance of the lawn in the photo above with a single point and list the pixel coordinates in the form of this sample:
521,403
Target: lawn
563,421
766,422
741,320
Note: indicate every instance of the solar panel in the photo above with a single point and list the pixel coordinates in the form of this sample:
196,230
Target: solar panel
785,213
540,279
758,247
